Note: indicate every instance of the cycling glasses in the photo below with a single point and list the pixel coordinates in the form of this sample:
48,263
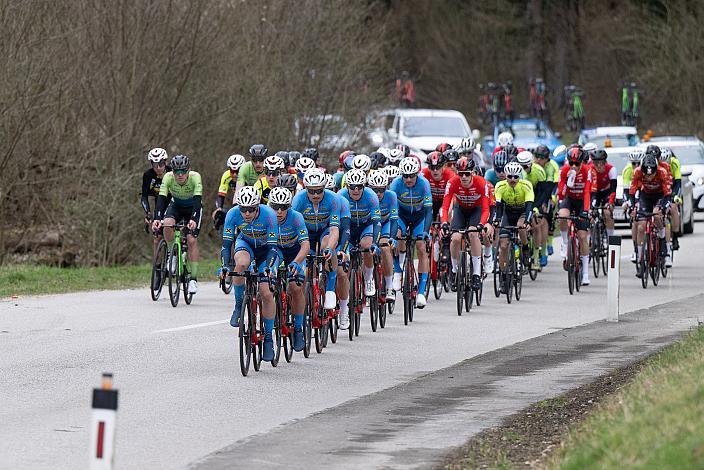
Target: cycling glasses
280,207
273,172
435,167
575,163
257,159
354,187
512,177
316,191
247,209
526,166
158,164
408,177
180,172
379,190
464,173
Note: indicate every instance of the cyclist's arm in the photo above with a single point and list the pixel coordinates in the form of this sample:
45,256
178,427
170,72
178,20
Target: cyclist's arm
145,193
228,236
485,206
587,194
305,248
222,190
447,200
161,203
542,193
343,244
393,221
197,208
499,214
529,201
376,218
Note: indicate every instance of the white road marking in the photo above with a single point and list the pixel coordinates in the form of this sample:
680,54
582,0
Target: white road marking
190,327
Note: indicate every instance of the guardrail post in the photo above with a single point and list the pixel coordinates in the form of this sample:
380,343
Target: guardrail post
103,423
614,274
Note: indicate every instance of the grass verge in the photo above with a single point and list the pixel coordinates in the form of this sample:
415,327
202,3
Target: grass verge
35,280
657,421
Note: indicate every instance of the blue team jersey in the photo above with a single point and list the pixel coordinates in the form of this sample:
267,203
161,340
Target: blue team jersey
412,201
365,210
338,179
491,176
344,207
327,214
292,231
258,233
388,206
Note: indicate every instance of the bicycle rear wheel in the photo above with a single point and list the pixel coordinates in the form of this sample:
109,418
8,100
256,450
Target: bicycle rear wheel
245,337
278,340
577,265
595,249
159,272
288,338
352,306
308,322
532,265
468,291
655,260
461,282
518,279
644,257
497,279
186,278
174,281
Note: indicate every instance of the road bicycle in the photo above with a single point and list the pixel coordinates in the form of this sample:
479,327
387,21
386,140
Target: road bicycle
510,282
439,267
283,324
409,279
316,318
538,104
574,109
465,271
652,258
573,262
160,270
377,302
630,114
357,297
598,242
180,276
251,324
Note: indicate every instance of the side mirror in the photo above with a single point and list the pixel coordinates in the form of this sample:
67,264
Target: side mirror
559,150
476,134
687,172
558,135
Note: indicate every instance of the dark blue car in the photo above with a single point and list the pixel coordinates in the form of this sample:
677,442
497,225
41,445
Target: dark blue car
527,133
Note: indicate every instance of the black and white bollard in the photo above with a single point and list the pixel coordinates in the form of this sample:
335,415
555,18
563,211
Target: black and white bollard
614,273
103,422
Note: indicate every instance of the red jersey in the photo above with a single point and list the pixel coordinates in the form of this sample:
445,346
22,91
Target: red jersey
581,188
492,195
476,195
437,188
602,181
659,183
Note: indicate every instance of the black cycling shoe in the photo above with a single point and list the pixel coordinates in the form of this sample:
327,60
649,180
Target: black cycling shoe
476,282
453,281
675,242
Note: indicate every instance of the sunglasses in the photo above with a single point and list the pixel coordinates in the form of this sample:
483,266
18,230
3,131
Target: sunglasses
408,177
280,207
158,164
465,173
180,172
635,163
379,190
257,159
354,187
316,191
273,173
435,167
575,163
512,177
247,209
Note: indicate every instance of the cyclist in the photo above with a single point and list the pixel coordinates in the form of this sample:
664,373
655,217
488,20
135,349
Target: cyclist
377,160
405,149
302,166
535,175
395,156
321,211
467,148
392,172
574,192
604,181
634,157
415,212
293,157
666,156
365,217
257,241
502,141
378,181
251,171
151,183
514,207
273,168
293,246
341,170
470,196
552,177
228,181
186,190
289,182
438,176
652,183
496,174
343,281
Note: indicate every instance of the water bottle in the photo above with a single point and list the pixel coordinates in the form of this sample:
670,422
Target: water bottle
571,175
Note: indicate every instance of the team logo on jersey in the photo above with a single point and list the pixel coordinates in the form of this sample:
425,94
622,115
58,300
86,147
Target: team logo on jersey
272,234
228,230
302,232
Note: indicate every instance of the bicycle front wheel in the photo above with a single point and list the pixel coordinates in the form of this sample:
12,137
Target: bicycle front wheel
159,272
245,337
571,262
460,281
174,281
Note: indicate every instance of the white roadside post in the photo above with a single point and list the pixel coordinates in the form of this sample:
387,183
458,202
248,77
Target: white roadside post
102,435
614,274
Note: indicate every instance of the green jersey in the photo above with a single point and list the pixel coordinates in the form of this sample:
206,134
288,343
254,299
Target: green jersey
627,176
535,175
182,194
675,168
247,175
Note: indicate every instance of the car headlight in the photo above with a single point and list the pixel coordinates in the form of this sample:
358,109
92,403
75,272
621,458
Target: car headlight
700,181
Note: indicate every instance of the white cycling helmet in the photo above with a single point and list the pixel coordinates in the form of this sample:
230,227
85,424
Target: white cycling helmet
234,162
280,195
356,176
377,179
513,169
466,146
362,162
409,166
636,155
386,152
395,156
665,154
524,157
589,147
157,155
314,178
273,163
248,196
504,139
392,172
304,164
329,181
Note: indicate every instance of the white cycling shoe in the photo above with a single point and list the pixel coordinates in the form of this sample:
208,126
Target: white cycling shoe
488,264
668,261
563,251
420,301
390,295
343,320
396,282
192,286
633,257
369,288
330,300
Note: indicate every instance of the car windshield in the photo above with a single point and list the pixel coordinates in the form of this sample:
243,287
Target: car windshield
619,159
616,140
530,132
434,126
689,154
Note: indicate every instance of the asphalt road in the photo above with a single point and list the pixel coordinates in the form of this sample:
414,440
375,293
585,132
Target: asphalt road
182,397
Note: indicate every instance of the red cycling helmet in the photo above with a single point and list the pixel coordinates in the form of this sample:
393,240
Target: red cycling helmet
442,147
344,155
436,159
465,164
576,154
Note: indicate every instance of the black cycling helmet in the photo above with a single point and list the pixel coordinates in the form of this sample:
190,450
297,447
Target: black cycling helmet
288,181
180,162
283,155
649,164
405,149
451,155
311,153
653,150
511,151
541,151
377,159
258,151
500,160
598,155
293,157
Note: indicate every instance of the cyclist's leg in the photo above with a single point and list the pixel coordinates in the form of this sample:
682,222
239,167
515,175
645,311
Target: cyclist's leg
243,257
583,237
193,251
565,211
295,290
422,253
473,218
458,222
267,300
401,257
365,242
386,255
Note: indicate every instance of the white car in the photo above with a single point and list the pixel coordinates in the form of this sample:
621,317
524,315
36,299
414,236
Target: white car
421,129
690,152
620,136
